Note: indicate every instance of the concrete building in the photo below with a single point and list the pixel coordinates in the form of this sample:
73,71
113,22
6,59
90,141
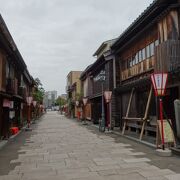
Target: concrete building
73,90
50,98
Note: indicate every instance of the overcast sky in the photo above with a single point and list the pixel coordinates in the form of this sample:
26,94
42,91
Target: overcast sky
57,36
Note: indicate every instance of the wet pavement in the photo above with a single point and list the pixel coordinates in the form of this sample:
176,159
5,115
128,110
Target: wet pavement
60,148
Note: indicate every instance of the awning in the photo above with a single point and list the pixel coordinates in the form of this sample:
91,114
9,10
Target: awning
98,95
5,94
17,97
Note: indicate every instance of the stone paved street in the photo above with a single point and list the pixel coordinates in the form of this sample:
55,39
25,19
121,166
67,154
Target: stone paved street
60,148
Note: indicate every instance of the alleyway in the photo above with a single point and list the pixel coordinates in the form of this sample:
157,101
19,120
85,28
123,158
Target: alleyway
60,149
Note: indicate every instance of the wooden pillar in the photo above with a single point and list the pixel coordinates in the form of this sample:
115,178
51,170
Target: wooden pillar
114,72
1,116
127,112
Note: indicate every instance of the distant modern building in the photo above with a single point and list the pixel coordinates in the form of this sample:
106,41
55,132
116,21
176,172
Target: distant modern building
50,98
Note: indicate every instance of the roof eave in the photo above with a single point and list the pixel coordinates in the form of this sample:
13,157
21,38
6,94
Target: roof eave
147,13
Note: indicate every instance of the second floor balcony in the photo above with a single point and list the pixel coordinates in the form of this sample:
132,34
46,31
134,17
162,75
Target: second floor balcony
22,91
168,56
11,86
138,69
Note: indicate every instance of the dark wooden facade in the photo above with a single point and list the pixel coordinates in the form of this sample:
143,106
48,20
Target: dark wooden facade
150,44
99,76
15,83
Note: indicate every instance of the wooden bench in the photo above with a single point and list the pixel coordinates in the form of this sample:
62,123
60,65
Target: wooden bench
138,127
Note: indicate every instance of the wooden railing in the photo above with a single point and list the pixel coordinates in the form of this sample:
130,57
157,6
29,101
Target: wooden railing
22,91
167,56
138,69
2,74
11,86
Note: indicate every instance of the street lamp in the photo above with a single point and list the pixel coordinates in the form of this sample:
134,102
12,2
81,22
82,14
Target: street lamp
34,105
77,103
159,81
85,100
41,108
102,123
29,101
108,95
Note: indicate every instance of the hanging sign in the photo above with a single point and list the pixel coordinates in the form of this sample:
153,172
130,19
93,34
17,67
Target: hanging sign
11,114
29,100
11,104
159,81
168,133
108,95
101,76
6,103
85,100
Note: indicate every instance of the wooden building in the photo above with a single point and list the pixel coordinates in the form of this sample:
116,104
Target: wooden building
98,77
86,85
15,83
73,90
150,44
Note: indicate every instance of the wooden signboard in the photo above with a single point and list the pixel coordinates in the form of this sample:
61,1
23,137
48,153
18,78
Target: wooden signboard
168,133
6,103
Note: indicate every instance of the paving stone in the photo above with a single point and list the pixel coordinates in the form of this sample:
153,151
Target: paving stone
10,177
149,167
130,165
173,177
136,160
106,167
108,172
93,177
138,154
60,148
48,177
76,175
126,177
104,161
72,170
157,178
151,173
39,174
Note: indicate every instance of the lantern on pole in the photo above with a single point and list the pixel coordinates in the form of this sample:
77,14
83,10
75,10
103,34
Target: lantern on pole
77,103
78,112
29,101
108,95
85,100
159,81
34,103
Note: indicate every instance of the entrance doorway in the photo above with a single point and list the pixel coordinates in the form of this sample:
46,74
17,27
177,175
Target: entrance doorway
168,103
